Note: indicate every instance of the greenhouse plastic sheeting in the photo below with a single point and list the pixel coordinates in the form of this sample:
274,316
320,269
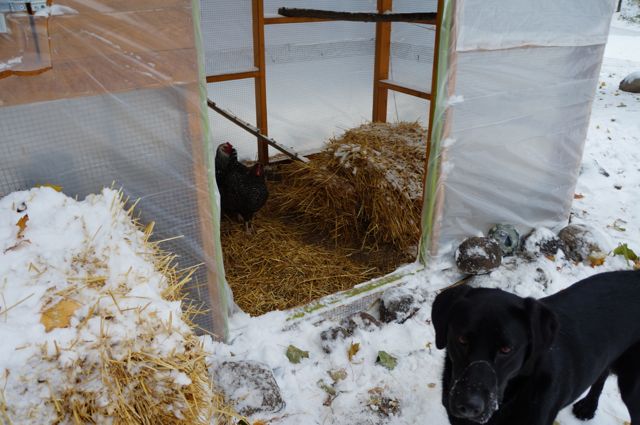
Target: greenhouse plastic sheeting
516,23
319,75
515,89
119,99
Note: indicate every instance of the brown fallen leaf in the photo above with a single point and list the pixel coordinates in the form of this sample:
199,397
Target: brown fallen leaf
59,316
22,225
578,196
353,350
597,258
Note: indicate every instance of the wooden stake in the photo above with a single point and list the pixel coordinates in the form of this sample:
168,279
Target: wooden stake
256,132
381,64
260,79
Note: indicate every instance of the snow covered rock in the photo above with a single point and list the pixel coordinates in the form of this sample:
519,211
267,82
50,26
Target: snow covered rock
329,336
249,386
360,320
542,241
631,83
478,255
397,305
578,242
507,237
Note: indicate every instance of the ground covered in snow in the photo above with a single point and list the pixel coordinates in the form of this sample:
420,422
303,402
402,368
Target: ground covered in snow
89,317
347,386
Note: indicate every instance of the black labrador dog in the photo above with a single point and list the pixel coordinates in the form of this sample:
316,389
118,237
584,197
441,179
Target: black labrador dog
519,361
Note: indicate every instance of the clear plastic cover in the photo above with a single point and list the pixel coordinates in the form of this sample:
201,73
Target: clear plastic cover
515,89
518,23
24,41
122,102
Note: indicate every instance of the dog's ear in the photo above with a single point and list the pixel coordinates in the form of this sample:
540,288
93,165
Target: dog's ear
440,311
543,326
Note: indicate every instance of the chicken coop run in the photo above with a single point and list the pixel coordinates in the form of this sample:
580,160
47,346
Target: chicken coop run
502,92
440,117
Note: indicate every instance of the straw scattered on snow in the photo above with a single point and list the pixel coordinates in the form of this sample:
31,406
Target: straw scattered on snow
116,345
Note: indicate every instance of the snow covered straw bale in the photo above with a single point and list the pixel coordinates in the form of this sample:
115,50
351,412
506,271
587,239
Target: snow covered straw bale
366,184
91,321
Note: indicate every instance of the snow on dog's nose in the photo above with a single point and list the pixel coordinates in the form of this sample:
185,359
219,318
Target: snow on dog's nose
474,395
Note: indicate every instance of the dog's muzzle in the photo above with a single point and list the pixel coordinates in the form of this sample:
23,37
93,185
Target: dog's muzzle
474,395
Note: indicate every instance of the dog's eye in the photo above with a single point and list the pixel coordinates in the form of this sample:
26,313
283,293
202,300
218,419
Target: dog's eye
463,340
505,350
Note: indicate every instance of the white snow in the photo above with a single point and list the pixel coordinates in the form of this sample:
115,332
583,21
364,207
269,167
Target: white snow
90,253
477,251
606,203
11,61
56,10
455,99
631,77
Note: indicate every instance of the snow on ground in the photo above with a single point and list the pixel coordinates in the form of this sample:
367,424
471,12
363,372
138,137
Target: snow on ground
609,186
78,285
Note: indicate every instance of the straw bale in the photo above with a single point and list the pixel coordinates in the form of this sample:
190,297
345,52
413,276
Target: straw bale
366,185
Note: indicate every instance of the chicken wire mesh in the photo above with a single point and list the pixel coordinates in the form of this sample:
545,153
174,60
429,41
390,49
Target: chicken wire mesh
138,140
227,34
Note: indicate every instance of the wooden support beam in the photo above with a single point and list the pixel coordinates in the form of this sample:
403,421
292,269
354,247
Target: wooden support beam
381,16
256,132
273,20
233,76
412,91
381,64
434,86
260,78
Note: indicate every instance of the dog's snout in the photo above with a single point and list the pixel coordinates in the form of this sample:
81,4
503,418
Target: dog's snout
474,395
470,407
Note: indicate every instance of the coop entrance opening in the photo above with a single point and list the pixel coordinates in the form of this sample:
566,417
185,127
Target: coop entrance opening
350,214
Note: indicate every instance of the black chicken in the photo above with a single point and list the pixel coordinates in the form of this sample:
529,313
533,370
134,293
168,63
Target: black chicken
243,190
224,153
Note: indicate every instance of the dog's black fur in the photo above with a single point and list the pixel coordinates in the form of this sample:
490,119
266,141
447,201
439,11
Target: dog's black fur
519,361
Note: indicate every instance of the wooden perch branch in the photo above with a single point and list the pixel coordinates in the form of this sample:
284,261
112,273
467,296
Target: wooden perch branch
425,18
256,132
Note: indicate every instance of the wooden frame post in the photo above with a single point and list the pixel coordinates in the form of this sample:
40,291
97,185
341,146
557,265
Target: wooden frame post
260,78
434,85
381,64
